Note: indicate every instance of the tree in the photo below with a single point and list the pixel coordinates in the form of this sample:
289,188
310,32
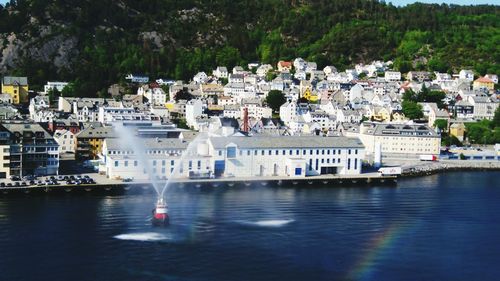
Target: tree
442,124
275,99
270,75
412,110
183,94
53,94
68,90
496,118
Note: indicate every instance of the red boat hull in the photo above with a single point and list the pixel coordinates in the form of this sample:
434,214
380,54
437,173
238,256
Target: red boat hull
159,219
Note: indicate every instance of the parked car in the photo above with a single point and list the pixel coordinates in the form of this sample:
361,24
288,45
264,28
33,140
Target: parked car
15,178
127,180
2,184
9,184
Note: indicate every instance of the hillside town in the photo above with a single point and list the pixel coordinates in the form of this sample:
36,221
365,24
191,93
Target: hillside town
291,119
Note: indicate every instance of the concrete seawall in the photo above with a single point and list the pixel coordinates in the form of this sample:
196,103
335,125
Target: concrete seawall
120,187
422,168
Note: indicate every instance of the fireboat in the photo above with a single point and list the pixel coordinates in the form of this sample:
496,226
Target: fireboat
160,213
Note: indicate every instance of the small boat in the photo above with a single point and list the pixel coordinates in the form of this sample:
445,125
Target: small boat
264,183
231,184
215,184
248,183
160,213
309,182
325,182
295,182
198,185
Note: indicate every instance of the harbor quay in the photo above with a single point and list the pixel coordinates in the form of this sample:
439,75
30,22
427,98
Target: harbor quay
103,184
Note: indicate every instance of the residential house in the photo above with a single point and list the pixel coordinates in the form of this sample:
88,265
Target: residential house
284,66
466,74
27,149
66,141
483,83
90,140
221,72
16,87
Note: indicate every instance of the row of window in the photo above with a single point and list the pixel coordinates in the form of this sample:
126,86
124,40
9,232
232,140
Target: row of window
231,152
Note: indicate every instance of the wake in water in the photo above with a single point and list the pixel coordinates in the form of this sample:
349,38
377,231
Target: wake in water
144,237
267,223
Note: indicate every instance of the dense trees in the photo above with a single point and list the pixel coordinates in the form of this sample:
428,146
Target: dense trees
176,39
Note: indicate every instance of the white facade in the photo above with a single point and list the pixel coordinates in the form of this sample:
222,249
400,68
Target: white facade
193,111
54,85
66,141
237,157
392,76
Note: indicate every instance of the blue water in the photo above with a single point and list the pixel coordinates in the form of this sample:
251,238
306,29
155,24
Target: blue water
440,227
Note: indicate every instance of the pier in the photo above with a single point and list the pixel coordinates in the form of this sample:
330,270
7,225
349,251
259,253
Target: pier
106,185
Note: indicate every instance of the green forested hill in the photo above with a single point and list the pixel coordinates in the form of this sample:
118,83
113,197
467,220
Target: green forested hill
95,43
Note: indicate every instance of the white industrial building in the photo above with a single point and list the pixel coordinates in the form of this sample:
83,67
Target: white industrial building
236,156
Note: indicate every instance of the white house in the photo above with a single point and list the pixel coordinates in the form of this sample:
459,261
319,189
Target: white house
392,76
221,72
465,74
193,111
330,69
59,86
200,77
66,141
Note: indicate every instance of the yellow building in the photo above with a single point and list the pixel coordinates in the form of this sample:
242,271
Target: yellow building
458,130
310,96
483,83
16,87
380,114
90,140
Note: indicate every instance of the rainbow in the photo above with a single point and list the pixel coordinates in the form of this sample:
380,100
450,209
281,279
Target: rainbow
364,267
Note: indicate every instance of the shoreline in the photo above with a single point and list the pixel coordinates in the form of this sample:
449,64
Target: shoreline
431,168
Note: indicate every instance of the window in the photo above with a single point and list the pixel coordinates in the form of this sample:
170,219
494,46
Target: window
291,152
135,163
116,163
333,152
322,161
317,151
231,152
297,152
349,152
284,152
172,162
248,152
154,162
269,152
255,152
328,152
262,152
220,152
163,170
356,151
298,171
190,164
317,162
310,164
339,151
311,152
277,152
349,164
199,164
126,163
355,164
163,162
